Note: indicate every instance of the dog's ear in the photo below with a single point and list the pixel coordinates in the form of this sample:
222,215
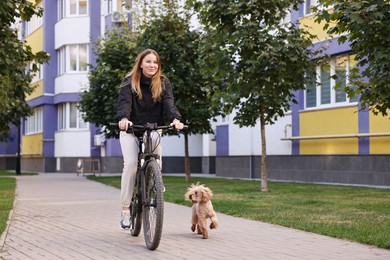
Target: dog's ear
206,195
188,194
208,192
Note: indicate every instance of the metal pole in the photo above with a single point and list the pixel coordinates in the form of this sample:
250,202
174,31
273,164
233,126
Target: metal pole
17,170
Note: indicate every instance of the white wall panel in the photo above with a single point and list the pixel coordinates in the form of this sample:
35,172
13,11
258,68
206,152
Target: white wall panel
247,140
71,31
174,145
72,144
209,145
71,83
274,133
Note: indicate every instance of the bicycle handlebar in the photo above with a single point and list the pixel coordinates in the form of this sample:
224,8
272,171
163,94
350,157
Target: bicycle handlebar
149,126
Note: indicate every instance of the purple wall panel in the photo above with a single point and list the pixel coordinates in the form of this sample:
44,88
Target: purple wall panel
222,138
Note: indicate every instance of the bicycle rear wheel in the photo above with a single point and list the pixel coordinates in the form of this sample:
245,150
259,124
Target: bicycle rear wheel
136,212
153,210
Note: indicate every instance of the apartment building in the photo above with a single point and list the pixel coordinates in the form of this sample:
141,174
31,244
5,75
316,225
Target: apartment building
55,138
324,138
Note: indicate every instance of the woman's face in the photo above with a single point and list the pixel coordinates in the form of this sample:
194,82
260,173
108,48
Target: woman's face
149,65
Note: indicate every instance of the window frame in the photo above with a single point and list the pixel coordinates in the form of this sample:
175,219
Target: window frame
38,75
334,94
66,56
70,118
34,123
33,24
65,8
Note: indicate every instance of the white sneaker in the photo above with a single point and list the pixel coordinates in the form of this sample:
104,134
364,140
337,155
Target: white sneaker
125,219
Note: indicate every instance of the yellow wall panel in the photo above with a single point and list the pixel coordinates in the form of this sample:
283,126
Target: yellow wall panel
379,124
309,24
32,145
35,40
38,90
329,122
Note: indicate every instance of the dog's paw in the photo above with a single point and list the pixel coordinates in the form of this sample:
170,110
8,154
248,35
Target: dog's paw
200,231
193,228
212,225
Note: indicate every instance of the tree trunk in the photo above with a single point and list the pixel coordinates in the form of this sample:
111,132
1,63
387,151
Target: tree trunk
187,159
264,184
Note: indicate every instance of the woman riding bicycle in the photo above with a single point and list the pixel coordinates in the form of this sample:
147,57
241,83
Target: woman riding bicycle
145,96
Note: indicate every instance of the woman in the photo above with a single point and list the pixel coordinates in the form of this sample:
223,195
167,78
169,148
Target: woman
145,97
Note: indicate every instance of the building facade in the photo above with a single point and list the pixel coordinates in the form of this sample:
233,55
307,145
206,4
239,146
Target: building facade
324,138
55,138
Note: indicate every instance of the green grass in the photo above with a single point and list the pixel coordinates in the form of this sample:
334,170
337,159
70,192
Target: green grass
7,196
353,213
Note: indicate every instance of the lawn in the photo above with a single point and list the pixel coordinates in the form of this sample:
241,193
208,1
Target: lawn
7,196
353,213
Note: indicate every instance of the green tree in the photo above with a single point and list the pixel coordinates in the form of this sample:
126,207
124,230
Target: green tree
264,60
17,64
366,25
115,55
168,32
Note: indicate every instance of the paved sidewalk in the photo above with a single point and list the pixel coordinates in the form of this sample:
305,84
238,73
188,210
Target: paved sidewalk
62,216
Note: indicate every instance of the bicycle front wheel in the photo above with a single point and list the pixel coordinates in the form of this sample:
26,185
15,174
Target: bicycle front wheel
153,205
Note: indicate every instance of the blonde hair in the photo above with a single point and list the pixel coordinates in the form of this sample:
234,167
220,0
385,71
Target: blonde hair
156,86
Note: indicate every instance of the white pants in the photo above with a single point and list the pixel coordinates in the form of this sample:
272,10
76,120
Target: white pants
129,146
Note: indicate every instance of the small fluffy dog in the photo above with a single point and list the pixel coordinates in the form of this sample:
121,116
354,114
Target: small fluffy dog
200,196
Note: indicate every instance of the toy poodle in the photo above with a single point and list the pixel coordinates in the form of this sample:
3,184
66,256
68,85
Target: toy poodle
202,208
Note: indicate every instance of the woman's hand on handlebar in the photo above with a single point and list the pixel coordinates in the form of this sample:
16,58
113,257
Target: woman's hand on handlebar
177,124
124,124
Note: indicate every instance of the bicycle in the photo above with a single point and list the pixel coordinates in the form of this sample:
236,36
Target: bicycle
148,195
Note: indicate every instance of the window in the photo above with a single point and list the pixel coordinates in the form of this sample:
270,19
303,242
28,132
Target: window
73,58
78,7
325,84
352,65
38,75
324,93
70,117
311,93
72,8
61,61
61,9
341,73
34,122
34,23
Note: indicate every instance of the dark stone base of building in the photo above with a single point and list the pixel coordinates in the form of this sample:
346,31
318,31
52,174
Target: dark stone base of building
373,170
341,169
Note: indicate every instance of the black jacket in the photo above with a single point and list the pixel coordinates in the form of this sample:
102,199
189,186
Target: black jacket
146,110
